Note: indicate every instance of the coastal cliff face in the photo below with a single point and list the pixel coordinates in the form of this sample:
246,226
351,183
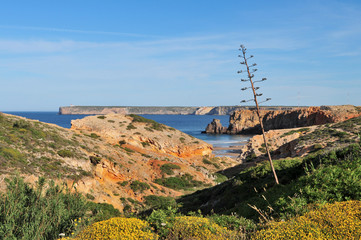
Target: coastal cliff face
105,156
147,110
218,110
246,121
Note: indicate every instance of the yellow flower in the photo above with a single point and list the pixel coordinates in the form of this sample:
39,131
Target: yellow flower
198,228
118,228
341,220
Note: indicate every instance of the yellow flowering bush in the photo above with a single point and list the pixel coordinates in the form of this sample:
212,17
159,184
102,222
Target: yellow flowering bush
117,228
198,228
340,220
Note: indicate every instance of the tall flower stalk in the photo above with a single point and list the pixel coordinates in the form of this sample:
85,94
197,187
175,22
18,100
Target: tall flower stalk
249,71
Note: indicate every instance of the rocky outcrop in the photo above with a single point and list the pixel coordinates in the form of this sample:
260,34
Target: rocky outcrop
246,121
298,142
215,127
281,142
142,134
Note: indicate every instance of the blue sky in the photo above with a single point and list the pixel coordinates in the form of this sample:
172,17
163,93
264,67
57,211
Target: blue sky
176,53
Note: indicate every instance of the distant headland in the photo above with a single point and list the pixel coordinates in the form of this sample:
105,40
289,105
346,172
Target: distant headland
176,110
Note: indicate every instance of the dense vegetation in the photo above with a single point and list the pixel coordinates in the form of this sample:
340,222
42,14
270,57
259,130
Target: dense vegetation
318,178
184,182
45,210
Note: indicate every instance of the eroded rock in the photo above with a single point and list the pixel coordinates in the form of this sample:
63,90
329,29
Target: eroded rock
215,127
246,121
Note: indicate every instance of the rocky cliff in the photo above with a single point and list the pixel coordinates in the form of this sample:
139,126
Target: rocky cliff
218,110
246,121
298,142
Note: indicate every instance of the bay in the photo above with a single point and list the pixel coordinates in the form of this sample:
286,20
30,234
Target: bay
190,124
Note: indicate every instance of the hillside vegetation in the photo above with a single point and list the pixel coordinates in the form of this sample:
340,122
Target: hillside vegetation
115,159
318,196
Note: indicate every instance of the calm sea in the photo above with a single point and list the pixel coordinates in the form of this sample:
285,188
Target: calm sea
190,124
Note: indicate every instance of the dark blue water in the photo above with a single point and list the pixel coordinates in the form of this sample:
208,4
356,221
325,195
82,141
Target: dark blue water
190,124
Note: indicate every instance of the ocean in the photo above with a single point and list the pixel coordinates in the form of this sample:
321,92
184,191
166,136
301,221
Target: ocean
190,124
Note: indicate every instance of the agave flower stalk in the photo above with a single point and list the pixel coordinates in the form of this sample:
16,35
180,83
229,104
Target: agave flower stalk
250,71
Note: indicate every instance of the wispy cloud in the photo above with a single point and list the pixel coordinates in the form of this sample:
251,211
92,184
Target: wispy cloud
189,69
74,31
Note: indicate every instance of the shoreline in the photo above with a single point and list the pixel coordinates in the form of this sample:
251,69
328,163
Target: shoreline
231,151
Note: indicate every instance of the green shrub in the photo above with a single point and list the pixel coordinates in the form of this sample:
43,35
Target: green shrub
233,222
22,124
317,146
89,196
182,139
153,124
262,150
157,126
219,178
138,186
144,144
123,184
95,160
137,118
131,126
185,181
102,211
65,153
102,117
206,161
121,142
148,129
38,134
168,168
11,154
36,213
301,130
128,150
162,220
94,135
160,202
251,157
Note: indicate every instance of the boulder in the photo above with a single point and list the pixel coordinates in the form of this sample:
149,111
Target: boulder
215,127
